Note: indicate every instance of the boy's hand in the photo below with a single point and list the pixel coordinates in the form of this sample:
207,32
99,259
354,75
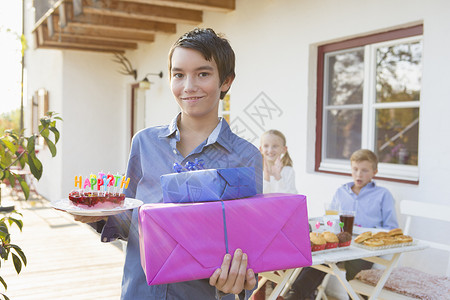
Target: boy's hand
87,219
234,279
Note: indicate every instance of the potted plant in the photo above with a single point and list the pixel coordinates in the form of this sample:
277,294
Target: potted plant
18,150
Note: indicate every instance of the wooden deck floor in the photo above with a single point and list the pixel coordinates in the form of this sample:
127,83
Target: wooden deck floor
66,259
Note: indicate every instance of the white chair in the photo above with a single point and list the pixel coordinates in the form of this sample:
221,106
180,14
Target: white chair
413,209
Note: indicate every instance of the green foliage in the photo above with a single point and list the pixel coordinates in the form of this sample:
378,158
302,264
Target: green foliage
16,150
10,121
6,248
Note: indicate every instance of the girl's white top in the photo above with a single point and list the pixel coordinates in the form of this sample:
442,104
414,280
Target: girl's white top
286,184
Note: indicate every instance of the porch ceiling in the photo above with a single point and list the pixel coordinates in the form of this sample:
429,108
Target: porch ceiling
117,25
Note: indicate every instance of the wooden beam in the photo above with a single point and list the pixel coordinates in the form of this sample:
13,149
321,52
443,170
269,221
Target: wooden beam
143,11
86,42
74,47
97,21
211,5
105,33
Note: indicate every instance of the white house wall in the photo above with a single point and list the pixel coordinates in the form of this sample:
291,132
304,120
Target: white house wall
275,44
95,106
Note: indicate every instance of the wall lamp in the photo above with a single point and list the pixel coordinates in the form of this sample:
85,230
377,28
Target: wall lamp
145,83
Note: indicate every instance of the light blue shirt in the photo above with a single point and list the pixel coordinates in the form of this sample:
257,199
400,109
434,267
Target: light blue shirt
153,153
374,206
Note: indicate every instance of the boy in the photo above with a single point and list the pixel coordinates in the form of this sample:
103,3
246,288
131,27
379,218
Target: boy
201,70
374,206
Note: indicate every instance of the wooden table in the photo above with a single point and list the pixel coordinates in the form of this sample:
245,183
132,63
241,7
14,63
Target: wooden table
327,261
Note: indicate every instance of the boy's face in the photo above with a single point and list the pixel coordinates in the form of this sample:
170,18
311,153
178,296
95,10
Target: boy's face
362,173
272,147
195,83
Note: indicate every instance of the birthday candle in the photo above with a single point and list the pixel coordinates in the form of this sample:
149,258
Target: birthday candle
78,181
99,183
93,181
87,183
110,180
124,182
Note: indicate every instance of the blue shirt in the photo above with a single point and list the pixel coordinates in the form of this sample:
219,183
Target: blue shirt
374,205
153,153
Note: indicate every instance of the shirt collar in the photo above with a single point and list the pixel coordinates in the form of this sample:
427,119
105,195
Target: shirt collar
171,129
220,134
349,185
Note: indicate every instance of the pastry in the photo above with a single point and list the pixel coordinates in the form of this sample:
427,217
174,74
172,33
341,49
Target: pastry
394,232
373,242
317,241
363,236
345,239
331,239
380,235
389,240
404,238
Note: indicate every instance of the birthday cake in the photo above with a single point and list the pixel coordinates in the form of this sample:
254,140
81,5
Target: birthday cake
103,191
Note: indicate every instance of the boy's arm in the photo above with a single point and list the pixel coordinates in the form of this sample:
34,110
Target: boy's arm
388,211
257,162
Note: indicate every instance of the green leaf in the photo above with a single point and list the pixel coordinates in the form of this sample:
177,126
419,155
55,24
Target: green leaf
17,263
19,223
10,145
4,284
11,179
1,175
51,146
2,148
30,145
56,133
45,133
5,297
23,159
21,254
58,118
35,166
25,188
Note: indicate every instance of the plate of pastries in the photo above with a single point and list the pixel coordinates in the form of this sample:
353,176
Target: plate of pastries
383,239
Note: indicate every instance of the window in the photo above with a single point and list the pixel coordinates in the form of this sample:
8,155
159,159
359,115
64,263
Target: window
368,96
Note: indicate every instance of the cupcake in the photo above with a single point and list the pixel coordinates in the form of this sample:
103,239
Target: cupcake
318,243
345,239
331,239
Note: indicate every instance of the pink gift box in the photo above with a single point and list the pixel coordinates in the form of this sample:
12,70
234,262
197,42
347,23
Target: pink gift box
182,242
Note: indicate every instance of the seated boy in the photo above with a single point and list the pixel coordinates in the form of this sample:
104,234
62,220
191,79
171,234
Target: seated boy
374,207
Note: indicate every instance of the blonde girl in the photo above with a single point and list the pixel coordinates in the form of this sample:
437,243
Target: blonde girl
279,175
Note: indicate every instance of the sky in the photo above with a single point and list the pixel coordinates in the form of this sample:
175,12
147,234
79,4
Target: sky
10,58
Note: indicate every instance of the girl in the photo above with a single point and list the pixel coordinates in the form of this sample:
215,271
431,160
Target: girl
279,175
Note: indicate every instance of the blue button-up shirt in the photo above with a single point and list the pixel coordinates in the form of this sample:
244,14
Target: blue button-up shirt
374,205
153,153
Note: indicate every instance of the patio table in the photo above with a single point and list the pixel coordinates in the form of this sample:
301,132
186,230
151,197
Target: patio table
326,261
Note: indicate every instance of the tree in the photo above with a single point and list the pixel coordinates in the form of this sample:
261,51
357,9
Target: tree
18,150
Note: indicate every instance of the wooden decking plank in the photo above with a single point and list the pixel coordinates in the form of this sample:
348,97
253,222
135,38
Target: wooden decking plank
66,259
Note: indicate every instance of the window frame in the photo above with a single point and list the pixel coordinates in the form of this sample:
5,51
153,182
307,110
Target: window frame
390,172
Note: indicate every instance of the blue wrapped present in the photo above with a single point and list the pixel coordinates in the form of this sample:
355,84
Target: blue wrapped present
208,185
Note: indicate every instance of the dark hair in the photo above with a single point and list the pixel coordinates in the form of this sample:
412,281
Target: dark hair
211,46
286,160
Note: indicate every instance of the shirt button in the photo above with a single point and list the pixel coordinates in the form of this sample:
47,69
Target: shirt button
174,151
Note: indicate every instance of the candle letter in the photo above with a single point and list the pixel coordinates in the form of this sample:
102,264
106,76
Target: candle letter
78,181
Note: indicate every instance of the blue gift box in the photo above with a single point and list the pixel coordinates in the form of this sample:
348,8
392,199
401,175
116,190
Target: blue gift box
208,185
